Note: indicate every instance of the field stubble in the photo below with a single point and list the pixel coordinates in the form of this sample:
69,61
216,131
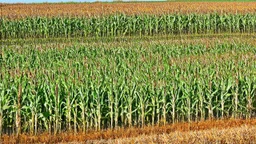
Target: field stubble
210,131
99,9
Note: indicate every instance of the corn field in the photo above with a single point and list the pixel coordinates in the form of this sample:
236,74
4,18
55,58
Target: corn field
123,25
95,70
80,88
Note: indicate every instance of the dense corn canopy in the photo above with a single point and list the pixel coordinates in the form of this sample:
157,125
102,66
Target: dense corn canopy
123,25
88,87
48,86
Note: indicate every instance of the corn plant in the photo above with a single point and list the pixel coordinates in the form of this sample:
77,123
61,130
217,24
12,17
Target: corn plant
83,87
125,25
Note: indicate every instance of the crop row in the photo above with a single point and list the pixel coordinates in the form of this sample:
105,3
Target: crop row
123,25
81,88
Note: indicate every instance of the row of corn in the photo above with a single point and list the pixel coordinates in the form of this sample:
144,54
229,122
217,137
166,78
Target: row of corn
123,25
57,88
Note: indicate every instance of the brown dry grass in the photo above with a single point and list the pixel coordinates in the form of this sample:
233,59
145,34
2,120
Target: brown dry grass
237,135
203,131
99,9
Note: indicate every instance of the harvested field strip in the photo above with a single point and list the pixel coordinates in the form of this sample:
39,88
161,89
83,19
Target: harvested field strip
242,135
98,9
182,131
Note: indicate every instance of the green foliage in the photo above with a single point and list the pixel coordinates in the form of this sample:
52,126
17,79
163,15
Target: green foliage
124,25
81,87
